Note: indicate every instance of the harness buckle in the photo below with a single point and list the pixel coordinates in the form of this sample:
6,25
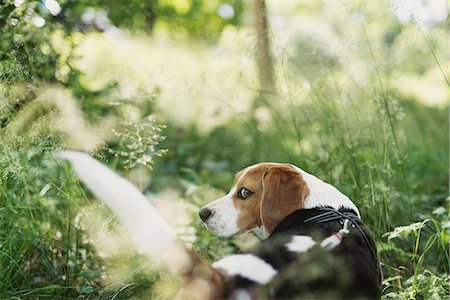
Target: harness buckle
344,229
335,239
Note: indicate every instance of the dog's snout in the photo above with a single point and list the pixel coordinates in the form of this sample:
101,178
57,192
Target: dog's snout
204,214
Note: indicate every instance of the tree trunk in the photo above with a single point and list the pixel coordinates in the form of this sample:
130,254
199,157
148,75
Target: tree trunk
263,53
149,22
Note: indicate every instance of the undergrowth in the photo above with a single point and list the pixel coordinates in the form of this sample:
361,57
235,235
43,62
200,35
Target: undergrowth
358,130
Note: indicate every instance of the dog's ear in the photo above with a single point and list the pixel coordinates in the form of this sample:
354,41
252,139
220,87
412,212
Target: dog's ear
284,191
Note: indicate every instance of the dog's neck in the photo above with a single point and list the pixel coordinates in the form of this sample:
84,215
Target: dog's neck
308,219
322,194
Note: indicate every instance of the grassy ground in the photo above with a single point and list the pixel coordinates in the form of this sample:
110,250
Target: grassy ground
352,107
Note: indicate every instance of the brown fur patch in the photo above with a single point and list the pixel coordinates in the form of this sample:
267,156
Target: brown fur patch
278,190
285,191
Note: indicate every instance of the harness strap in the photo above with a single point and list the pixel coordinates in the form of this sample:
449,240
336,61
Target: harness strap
346,217
331,215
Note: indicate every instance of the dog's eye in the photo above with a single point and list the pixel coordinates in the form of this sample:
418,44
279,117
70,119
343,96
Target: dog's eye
244,193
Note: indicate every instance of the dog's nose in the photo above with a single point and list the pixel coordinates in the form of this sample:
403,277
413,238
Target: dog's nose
204,214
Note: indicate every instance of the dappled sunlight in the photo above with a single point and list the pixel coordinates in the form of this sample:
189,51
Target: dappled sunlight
191,82
428,88
55,111
208,85
175,97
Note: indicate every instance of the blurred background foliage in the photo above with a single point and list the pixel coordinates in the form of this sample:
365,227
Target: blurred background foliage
168,93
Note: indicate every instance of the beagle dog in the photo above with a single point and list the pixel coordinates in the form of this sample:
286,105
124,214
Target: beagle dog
314,244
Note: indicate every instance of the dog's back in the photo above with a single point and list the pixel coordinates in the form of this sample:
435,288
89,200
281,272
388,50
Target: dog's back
349,271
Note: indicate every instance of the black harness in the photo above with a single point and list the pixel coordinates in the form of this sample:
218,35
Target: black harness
327,214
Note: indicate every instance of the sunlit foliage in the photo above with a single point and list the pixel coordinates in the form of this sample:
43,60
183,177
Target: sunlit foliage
361,101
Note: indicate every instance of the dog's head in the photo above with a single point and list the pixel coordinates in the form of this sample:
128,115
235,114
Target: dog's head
262,195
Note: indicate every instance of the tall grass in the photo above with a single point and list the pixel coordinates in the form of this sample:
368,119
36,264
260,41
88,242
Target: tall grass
341,112
382,147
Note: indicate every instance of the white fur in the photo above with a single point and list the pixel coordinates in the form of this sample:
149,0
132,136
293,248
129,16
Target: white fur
300,243
223,219
246,265
324,194
150,232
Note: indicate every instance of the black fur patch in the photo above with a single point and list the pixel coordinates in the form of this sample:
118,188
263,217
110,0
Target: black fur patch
348,271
